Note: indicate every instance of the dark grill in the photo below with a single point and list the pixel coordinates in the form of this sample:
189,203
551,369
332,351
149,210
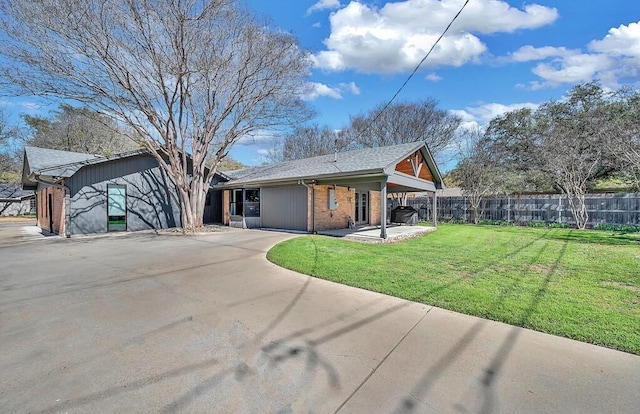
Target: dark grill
404,214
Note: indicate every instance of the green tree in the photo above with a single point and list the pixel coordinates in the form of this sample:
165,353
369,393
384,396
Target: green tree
565,143
78,130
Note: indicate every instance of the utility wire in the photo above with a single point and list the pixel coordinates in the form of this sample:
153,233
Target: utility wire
416,68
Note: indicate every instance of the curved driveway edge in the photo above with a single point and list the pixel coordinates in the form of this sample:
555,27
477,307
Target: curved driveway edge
147,323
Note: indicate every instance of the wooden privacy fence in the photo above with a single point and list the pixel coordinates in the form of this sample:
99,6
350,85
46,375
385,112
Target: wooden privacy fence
619,208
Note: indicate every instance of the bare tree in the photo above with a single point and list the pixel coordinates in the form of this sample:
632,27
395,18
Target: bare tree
305,142
476,173
230,164
406,122
79,130
8,154
183,75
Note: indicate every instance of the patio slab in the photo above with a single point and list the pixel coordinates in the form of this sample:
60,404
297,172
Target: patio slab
371,234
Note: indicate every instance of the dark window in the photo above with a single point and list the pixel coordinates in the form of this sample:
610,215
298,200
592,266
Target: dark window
252,203
235,203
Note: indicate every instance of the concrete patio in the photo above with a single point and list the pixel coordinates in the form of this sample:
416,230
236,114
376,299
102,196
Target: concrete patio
371,234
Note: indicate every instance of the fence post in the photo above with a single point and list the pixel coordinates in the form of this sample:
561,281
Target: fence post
559,208
508,209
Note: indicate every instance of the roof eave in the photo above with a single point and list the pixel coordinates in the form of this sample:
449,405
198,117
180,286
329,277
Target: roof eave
294,180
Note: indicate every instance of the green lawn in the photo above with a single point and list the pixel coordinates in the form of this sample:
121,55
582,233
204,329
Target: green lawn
583,285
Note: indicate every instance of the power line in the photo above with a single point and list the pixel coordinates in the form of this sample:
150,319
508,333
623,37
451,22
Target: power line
415,70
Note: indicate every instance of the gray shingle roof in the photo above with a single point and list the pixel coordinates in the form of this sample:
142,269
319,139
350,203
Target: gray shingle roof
56,163
348,163
44,158
13,192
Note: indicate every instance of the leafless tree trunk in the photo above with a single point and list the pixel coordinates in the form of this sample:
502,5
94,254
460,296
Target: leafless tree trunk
476,173
183,75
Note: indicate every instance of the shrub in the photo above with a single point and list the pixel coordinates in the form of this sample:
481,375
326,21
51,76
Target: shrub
622,228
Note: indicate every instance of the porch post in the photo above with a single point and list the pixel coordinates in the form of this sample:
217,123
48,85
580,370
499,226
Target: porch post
435,209
383,208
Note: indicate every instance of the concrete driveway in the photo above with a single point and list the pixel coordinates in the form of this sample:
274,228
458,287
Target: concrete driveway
146,323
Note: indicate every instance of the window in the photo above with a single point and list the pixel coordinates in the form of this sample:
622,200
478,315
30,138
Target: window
252,203
235,203
116,207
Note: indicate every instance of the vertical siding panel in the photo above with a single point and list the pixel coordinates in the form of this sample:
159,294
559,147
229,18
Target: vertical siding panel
284,208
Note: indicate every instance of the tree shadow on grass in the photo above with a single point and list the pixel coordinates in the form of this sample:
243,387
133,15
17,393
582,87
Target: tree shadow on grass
595,237
489,397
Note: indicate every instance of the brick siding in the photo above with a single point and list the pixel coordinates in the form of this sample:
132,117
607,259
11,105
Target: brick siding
58,213
326,219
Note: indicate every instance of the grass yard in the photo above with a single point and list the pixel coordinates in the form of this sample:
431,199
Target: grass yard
583,285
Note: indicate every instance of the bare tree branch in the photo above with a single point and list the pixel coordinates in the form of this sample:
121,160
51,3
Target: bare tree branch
181,74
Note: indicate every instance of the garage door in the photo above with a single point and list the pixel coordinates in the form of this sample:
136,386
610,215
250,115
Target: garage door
284,208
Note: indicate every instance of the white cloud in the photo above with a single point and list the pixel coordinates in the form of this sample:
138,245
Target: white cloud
316,90
433,77
529,53
615,57
323,5
574,69
351,87
477,117
620,41
257,138
395,37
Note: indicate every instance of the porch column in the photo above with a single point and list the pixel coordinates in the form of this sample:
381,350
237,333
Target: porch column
383,208
435,209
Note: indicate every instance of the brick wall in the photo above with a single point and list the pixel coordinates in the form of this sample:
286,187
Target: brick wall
58,213
326,219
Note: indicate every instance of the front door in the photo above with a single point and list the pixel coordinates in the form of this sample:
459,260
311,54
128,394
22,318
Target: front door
362,208
50,210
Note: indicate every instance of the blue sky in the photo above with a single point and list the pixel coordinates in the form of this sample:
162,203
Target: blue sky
500,55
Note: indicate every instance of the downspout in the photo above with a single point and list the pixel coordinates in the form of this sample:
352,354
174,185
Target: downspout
313,205
67,200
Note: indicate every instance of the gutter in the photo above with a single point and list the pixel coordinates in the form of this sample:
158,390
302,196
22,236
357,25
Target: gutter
313,204
67,200
377,172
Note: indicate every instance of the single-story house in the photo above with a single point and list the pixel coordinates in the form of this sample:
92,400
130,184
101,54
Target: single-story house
84,193
14,201
328,192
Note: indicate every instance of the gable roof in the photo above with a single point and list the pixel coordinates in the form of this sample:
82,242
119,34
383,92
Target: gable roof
10,191
371,161
63,164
